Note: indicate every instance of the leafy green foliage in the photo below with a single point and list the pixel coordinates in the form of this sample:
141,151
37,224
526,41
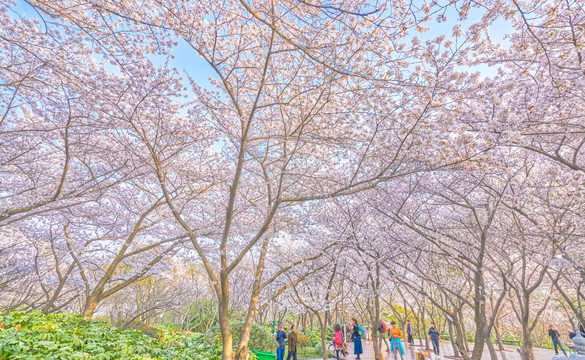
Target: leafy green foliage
305,347
261,337
315,336
202,316
68,336
304,341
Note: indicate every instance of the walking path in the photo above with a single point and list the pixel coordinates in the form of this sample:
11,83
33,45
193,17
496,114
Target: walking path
446,352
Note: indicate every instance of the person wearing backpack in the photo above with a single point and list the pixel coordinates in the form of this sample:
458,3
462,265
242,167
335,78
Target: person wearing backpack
383,331
357,338
338,340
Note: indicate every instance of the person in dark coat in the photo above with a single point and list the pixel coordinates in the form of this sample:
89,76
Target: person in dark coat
554,335
409,333
581,330
357,338
281,340
293,340
435,336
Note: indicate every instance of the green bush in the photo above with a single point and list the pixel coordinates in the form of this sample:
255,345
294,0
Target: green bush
35,336
304,341
305,347
201,315
261,337
318,349
148,329
315,336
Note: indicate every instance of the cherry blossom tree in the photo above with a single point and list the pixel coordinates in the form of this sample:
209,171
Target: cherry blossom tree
53,134
543,108
334,143
454,242
291,90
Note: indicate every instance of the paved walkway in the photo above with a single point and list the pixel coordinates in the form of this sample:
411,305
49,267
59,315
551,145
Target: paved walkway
447,352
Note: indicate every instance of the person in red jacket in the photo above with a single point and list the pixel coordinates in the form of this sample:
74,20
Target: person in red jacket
383,331
338,340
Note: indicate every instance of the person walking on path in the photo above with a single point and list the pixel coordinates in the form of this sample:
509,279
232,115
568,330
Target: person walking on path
396,341
383,331
337,340
357,338
293,340
554,335
409,333
281,340
434,335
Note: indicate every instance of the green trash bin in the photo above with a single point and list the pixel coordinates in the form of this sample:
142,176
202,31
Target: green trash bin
263,355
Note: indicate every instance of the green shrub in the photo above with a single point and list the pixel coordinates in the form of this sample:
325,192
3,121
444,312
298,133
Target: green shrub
261,337
304,341
148,329
315,336
35,336
201,316
318,349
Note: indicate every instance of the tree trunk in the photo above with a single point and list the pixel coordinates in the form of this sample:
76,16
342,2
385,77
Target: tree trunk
281,316
226,331
90,304
375,337
463,331
424,328
492,350
323,325
451,335
262,317
460,339
526,352
405,334
242,350
498,337
419,331
373,311
480,323
376,343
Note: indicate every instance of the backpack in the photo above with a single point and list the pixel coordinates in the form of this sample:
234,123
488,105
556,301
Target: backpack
337,339
384,327
361,331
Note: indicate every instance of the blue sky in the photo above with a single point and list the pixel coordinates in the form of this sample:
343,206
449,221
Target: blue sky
188,62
